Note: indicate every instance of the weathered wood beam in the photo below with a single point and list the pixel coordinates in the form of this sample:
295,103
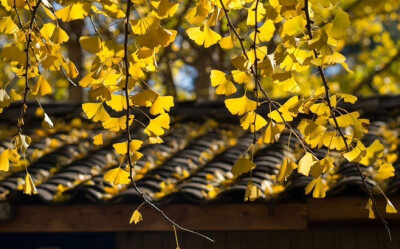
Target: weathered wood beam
221,217
346,209
96,218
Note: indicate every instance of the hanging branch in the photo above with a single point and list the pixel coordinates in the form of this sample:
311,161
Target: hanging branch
258,83
28,65
255,67
332,111
128,134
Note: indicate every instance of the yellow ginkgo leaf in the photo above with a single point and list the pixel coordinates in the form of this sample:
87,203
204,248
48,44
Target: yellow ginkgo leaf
117,102
253,121
90,44
320,109
228,42
98,139
374,151
70,68
95,111
117,124
141,25
224,83
13,156
347,97
318,186
117,176
243,165
4,160
59,36
340,24
144,98
100,93
165,8
370,208
29,186
42,87
287,111
252,192
239,106
15,96
294,26
321,166
241,77
390,209
306,162
156,36
155,140
365,156
73,11
205,36
15,3
157,125
272,133
286,169
136,217
385,171
288,85
7,25
251,16
198,13
357,153
161,104
122,148
266,32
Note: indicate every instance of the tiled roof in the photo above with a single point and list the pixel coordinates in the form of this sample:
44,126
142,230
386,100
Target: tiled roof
193,165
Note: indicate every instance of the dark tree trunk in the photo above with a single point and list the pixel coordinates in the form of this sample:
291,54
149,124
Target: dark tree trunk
75,54
202,83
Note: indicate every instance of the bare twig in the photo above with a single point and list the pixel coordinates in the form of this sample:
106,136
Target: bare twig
328,101
128,134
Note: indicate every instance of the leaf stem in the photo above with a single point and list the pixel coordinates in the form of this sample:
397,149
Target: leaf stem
28,65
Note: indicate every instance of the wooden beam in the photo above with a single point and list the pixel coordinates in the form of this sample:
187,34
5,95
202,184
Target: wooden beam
96,218
346,209
221,217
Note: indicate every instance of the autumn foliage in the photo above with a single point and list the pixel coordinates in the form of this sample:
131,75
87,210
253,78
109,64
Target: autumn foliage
266,49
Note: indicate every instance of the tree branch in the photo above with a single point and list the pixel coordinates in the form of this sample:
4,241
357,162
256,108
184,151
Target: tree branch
241,40
28,65
128,134
332,111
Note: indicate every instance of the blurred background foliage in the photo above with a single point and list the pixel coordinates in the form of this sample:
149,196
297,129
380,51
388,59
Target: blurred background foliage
371,47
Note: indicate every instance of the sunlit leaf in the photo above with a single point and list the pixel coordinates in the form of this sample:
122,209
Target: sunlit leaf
117,176
136,217
243,165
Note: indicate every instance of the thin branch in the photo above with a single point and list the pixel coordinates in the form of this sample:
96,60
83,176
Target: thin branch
27,66
128,134
255,63
328,101
269,100
95,28
68,78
